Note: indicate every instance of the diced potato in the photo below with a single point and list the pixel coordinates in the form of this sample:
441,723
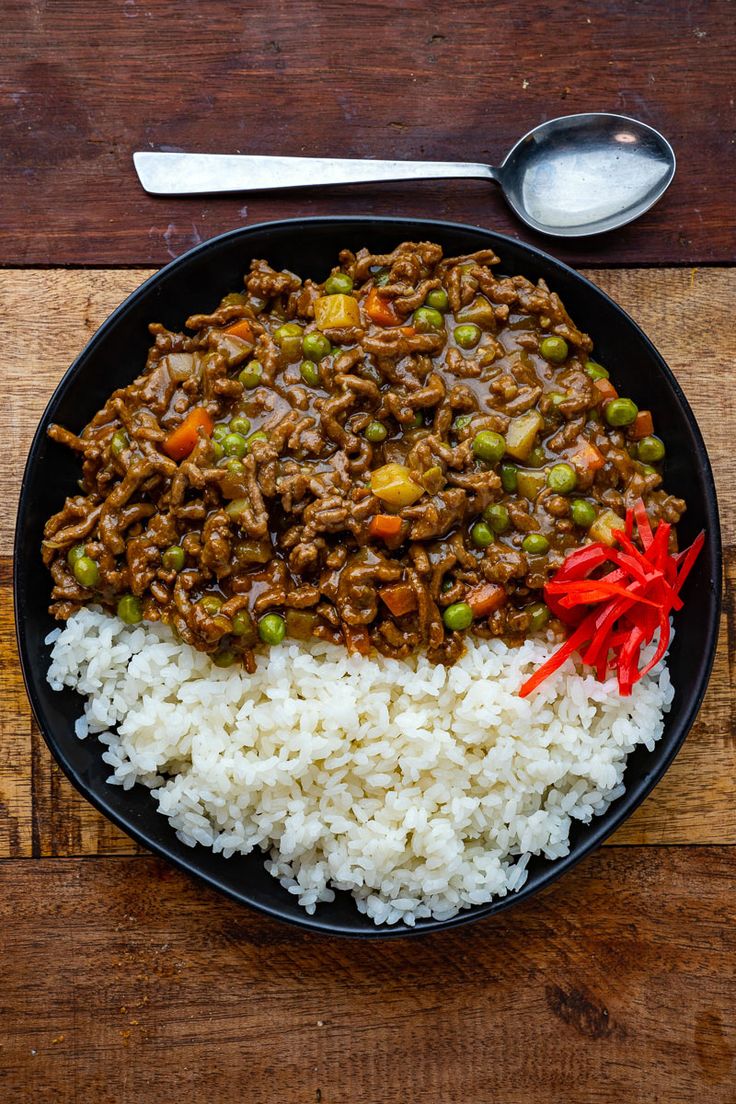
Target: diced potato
433,479
300,623
234,299
530,483
522,434
236,507
335,311
180,366
393,485
235,349
480,312
603,526
250,551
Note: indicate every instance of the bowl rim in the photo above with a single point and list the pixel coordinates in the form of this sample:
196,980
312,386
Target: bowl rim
599,828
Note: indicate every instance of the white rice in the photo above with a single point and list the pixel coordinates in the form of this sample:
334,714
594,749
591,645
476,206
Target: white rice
421,790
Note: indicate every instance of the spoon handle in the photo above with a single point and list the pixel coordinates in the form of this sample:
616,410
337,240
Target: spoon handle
190,173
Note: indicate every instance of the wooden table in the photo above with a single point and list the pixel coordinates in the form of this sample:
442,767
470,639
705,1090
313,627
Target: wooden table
124,981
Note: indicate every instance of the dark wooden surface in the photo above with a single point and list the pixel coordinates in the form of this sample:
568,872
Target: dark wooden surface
82,85
123,981
175,994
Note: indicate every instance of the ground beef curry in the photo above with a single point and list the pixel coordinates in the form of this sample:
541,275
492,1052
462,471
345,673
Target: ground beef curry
387,460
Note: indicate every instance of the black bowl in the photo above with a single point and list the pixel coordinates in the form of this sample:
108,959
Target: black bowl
309,247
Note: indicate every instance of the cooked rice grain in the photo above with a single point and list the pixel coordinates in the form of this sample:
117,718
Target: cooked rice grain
420,789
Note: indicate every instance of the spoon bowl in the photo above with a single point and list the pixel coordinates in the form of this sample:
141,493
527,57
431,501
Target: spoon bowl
586,174
572,176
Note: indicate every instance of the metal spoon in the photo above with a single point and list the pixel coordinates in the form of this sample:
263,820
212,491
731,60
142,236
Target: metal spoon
572,176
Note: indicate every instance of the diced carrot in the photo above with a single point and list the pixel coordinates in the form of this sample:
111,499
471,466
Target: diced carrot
384,525
586,457
486,599
408,331
642,426
380,309
242,328
182,440
357,638
607,390
399,597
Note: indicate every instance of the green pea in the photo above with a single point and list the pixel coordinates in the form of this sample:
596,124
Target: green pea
562,479
174,558
538,615
620,412
210,603
240,425
309,372
437,299
650,450
556,398
75,554
467,336
235,445
647,469
220,431
225,658
417,421
427,320
488,445
119,442
497,517
553,349
86,571
259,435
339,283
289,329
130,609
582,513
461,421
595,370
458,616
481,535
315,345
375,432
242,624
217,450
509,478
272,628
251,375
234,465
535,544
536,457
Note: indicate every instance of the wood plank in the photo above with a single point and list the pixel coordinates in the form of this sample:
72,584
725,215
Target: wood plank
124,981
83,86
16,742
674,306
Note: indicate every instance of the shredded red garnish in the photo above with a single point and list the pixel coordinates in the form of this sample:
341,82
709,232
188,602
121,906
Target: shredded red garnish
616,614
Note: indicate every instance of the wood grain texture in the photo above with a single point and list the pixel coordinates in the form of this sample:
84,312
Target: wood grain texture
84,85
688,315
16,741
123,982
